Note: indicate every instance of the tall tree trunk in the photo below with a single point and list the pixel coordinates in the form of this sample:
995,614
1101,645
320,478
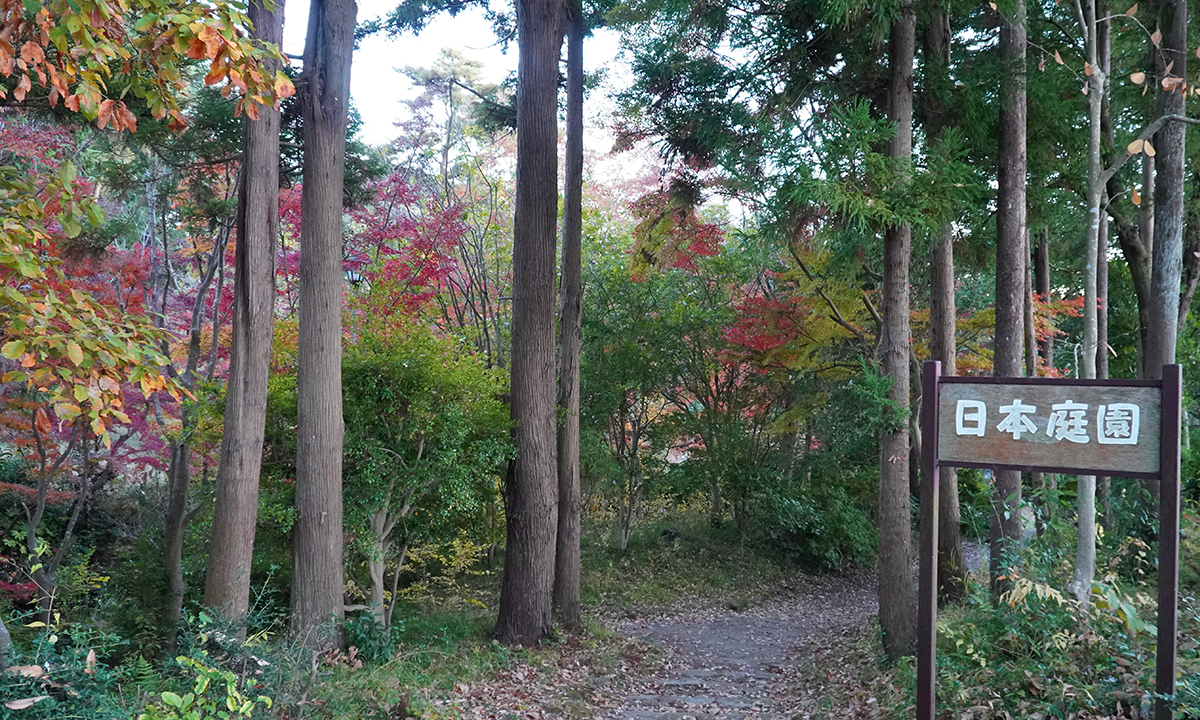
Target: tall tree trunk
1167,272
897,592
567,568
317,538
1085,507
1011,257
227,582
531,495
939,89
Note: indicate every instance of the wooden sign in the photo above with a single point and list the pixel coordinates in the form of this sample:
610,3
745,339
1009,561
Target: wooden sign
1127,428
1072,426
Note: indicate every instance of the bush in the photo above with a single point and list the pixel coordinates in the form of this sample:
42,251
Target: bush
818,525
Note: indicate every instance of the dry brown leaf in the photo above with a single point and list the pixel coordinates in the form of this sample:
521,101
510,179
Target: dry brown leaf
1135,147
32,671
1132,9
25,702
1148,149
1156,38
1058,58
1087,68
1137,78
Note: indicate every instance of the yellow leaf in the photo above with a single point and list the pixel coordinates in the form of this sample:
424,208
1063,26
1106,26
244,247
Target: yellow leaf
75,353
13,350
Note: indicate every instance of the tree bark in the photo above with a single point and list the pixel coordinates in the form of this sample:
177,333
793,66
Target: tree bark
1085,541
531,494
897,593
567,561
1011,257
174,526
1167,271
227,582
1041,268
317,538
939,88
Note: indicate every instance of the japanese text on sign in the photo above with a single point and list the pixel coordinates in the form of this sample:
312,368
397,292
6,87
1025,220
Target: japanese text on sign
1115,423
1109,429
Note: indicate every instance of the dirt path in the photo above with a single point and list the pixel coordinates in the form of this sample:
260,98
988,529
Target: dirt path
722,663
777,660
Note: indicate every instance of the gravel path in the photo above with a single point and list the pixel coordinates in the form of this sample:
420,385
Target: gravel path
722,663
727,664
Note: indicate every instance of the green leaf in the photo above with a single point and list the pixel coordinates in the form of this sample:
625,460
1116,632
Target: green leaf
146,21
172,699
13,350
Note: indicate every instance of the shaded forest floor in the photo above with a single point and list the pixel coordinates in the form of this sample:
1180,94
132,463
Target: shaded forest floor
700,657
775,646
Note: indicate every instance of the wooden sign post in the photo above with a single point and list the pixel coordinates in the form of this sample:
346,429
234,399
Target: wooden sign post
1128,428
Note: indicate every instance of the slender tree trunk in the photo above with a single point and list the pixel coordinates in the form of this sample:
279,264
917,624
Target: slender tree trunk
227,582
567,569
939,89
1042,285
1085,542
897,593
1011,258
531,496
178,480
317,537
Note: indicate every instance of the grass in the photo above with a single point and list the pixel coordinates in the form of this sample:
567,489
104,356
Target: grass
679,557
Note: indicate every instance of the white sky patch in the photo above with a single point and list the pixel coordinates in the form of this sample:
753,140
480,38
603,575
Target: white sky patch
378,89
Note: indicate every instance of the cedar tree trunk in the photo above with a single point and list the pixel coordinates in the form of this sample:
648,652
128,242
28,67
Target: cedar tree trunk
227,583
317,538
1011,257
566,564
531,495
897,591
939,89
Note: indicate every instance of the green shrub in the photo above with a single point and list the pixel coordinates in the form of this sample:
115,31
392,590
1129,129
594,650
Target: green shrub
818,525
214,696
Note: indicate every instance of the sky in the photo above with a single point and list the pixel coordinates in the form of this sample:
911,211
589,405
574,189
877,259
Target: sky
377,88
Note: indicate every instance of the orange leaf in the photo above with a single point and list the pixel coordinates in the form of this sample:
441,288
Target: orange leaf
196,49
1136,197
23,86
41,422
104,115
32,53
1088,69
